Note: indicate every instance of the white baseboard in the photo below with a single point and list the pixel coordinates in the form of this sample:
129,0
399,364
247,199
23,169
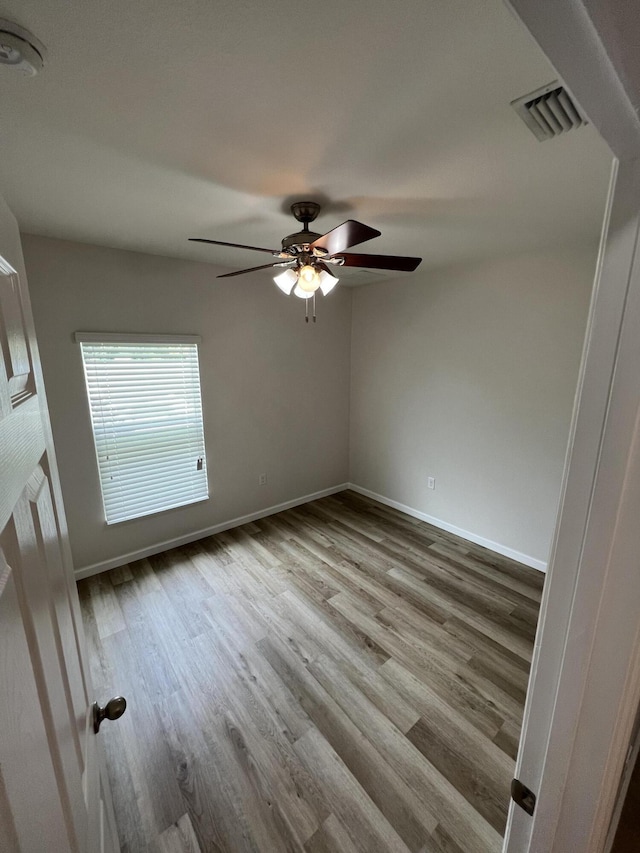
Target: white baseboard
533,562
158,547
114,562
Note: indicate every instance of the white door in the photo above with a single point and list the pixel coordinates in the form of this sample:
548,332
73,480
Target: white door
53,792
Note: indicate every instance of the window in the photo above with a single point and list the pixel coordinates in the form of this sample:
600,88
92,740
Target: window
146,413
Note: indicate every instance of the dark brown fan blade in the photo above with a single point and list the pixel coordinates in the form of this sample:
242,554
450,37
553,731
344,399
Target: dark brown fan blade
350,233
234,245
326,268
381,262
251,269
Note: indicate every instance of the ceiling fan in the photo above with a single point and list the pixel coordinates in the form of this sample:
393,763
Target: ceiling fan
308,260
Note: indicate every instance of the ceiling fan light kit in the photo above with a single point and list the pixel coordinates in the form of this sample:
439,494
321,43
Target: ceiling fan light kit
309,258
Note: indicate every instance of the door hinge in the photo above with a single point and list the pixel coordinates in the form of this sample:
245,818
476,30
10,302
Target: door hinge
522,796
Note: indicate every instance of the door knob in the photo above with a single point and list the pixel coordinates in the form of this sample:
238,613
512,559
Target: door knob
113,710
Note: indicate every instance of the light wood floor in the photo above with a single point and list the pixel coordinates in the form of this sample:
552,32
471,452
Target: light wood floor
338,678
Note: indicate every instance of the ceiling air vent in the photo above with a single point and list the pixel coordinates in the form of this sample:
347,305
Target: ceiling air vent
549,112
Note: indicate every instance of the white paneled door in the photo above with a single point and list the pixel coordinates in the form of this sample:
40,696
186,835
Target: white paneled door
53,791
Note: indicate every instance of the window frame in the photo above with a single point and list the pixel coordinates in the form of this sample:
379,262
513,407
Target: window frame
115,338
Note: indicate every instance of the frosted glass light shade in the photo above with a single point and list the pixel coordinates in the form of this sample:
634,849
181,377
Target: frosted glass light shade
303,294
286,281
327,282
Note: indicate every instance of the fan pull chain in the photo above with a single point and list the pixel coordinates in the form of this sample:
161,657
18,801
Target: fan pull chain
314,307
306,310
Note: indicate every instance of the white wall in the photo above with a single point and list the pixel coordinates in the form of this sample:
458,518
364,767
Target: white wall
468,375
275,390
465,374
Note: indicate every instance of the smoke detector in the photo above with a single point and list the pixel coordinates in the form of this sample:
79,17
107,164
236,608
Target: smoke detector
20,50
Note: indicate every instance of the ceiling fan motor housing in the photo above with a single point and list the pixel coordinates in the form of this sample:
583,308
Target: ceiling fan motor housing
299,239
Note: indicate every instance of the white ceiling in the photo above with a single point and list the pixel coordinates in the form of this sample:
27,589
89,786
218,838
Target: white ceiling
158,120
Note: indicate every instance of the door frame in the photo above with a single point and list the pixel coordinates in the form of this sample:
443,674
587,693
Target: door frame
584,687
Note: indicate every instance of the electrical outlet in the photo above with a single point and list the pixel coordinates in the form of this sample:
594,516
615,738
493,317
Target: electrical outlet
431,482
262,479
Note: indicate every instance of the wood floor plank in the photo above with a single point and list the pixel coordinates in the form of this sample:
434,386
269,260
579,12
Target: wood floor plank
349,517
402,806
383,695
157,672
443,579
448,805
121,574
178,838
367,826
390,593
489,625
433,667
268,747
494,577
483,780
108,616
456,567
143,577
337,677
480,644
330,837
210,790
455,730
417,629
508,738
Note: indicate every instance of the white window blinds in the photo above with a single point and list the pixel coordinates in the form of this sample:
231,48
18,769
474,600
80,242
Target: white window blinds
146,413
